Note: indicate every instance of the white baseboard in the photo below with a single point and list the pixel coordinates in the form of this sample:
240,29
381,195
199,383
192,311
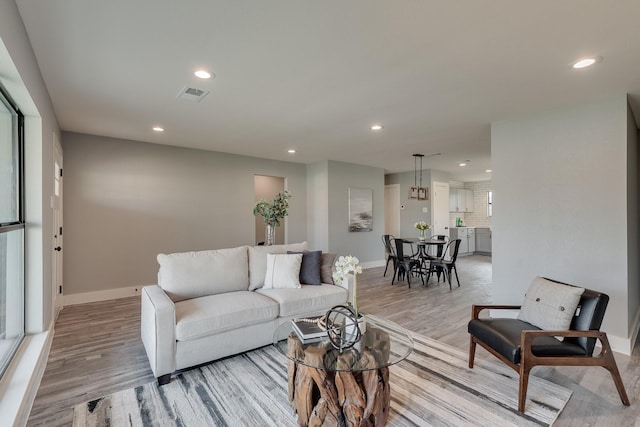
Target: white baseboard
20,383
107,294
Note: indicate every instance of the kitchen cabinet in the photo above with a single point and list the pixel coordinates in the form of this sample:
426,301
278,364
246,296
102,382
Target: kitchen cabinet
467,235
483,240
460,200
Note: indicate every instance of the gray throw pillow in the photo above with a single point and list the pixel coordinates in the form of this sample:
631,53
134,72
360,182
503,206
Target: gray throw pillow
550,305
310,268
326,267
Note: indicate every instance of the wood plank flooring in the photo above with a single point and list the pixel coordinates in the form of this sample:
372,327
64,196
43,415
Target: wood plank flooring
97,348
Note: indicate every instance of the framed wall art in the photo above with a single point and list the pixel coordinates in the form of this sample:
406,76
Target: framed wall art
360,209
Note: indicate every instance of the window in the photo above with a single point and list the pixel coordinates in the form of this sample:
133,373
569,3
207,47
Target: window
489,204
11,229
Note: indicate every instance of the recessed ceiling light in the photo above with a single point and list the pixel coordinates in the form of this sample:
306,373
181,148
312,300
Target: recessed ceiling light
462,164
292,151
203,74
376,127
488,170
158,129
586,62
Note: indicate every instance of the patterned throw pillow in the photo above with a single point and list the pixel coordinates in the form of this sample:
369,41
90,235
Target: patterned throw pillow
283,271
550,305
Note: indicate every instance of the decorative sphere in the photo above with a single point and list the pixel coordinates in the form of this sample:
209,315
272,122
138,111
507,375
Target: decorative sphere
342,327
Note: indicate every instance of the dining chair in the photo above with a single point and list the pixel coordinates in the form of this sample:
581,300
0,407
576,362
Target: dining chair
406,265
446,265
439,249
390,252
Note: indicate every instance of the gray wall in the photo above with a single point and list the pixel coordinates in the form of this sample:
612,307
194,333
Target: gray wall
563,204
412,211
127,201
20,74
367,246
318,203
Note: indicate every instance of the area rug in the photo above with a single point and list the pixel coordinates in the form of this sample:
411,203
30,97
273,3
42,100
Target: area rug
432,387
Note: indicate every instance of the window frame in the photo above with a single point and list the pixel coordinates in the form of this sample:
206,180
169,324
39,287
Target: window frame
19,223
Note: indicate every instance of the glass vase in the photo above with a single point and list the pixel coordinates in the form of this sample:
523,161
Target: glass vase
270,235
422,235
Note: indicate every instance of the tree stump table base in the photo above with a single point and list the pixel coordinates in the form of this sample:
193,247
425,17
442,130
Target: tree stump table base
341,397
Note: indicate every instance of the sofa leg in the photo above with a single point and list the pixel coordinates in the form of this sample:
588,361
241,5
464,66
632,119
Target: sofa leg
164,379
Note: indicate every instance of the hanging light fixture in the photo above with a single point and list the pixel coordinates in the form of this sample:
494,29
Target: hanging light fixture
416,191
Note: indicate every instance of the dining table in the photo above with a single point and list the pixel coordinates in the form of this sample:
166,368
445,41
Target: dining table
423,249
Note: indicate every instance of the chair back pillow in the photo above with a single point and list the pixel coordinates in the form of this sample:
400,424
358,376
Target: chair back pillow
550,305
194,274
258,260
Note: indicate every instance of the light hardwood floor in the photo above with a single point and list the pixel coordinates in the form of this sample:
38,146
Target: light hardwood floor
97,349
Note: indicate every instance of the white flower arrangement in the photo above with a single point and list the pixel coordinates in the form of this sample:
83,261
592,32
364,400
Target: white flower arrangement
421,225
346,265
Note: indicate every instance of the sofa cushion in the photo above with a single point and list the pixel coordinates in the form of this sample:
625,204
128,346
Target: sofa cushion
550,305
213,314
283,271
195,274
307,299
310,267
258,260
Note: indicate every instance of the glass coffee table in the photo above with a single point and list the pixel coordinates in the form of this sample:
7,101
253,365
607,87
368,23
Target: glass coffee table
343,388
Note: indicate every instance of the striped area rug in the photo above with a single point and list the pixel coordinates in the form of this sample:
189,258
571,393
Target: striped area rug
432,387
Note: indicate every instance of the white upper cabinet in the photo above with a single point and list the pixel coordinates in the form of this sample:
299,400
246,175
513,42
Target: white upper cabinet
460,200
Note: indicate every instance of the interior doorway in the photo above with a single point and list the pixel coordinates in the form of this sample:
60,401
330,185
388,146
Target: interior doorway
268,187
440,208
392,209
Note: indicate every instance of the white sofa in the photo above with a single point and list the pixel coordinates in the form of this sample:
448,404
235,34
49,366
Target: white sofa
212,304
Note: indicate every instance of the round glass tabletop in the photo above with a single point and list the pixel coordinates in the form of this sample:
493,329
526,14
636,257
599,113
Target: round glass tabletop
383,343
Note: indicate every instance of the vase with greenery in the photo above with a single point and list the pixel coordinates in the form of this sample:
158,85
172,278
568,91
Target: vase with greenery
422,227
272,213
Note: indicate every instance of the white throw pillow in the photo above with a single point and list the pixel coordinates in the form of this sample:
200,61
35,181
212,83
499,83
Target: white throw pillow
550,305
283,271
258,260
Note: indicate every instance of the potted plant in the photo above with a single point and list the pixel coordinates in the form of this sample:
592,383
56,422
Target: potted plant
272,213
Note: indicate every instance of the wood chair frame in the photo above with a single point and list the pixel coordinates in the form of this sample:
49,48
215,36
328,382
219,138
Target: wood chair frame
528,360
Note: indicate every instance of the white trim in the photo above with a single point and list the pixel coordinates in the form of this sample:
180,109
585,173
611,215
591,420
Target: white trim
107,294
21,381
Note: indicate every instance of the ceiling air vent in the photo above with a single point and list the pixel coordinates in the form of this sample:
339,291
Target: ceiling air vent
192,94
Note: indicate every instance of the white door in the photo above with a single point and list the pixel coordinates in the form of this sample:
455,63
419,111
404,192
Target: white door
56,206
440,208
392,209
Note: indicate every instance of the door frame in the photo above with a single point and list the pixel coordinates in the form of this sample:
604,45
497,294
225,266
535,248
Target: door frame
58,229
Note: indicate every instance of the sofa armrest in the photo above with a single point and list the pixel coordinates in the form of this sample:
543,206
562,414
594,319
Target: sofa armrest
158,330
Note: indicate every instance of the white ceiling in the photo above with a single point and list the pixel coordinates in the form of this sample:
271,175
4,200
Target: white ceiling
314,75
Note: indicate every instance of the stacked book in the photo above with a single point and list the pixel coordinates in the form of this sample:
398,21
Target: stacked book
308,329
